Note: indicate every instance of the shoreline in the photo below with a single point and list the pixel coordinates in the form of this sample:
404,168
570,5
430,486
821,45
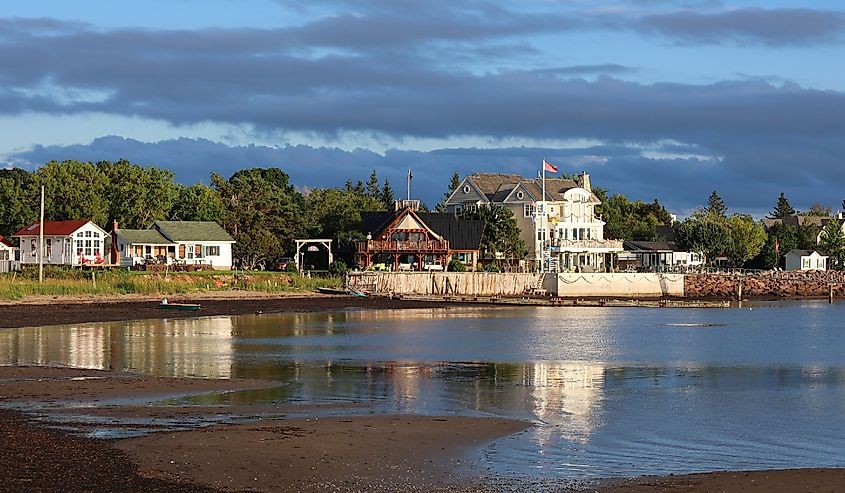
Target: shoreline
393,441
39,311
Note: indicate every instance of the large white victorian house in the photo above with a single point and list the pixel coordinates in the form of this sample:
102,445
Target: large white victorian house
561,230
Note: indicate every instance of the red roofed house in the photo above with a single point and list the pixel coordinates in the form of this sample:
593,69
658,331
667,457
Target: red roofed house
65,243
7,255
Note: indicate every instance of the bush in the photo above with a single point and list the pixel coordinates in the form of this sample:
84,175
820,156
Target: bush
491,267
291,267
338,268
456,266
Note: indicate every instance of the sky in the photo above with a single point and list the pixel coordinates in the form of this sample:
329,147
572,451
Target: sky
667,99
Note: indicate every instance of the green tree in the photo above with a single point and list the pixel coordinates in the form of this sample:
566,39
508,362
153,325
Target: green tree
373,189
387,197
626,220
198,203
781,239
832,244
782,208
336,213
263,213
747,239
18,200
501,233
704,232
73,190
454,183
137,195
715,205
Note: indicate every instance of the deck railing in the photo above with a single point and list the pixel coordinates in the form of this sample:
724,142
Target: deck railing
369,246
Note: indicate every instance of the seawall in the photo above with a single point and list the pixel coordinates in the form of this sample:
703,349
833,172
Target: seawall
713,285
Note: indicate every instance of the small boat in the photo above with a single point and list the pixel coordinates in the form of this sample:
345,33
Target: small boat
332,291
179,306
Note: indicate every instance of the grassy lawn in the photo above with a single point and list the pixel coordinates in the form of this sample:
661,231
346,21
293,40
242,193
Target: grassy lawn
69,282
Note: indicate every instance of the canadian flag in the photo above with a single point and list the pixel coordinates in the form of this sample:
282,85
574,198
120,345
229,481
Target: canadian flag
549,166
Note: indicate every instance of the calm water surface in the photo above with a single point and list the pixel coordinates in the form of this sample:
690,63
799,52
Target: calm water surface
614,391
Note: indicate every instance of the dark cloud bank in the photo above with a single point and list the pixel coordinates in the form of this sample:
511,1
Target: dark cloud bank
403,77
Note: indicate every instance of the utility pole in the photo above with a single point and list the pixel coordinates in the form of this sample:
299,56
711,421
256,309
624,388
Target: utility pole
41,241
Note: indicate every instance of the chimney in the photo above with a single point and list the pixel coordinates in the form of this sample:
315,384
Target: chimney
114,225
585,181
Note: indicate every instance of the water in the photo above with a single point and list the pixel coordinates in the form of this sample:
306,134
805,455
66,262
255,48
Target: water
613,391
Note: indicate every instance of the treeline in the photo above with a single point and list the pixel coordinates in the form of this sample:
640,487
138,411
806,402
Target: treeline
747,243
259,207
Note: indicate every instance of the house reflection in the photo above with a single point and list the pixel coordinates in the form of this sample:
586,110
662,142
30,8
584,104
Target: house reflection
193,347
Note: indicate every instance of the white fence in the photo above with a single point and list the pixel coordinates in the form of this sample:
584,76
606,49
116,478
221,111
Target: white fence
8,266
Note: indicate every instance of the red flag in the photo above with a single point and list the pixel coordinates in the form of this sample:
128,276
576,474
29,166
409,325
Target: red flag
549,166
777,247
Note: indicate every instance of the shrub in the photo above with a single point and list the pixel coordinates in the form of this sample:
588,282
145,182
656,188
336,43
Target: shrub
456,266
491,267
338,268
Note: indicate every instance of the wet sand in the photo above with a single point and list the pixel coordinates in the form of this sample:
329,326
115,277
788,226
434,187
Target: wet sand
265,450
40,311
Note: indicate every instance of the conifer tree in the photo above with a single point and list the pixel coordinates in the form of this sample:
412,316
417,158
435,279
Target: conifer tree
387,197
454,183
373,190
715,205
782,208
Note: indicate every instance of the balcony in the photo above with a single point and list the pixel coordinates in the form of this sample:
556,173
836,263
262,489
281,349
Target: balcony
396,246
563,245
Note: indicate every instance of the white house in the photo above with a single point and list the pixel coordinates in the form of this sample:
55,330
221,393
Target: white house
805,260
74,243
8,255
567,236
174,242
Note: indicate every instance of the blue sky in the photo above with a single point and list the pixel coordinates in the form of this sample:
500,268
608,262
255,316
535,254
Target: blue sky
655,98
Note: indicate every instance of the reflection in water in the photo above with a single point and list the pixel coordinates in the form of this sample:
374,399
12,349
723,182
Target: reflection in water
200,347
613,391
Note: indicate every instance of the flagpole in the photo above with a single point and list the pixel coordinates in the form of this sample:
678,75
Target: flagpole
409,183
543,224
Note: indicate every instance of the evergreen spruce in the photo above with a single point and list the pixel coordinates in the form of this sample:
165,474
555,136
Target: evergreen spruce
715,205
782,209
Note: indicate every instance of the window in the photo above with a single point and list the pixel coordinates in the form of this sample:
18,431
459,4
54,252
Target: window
96,234
471,207
87,234
198,250
88,247
212,251
805,263
528,210
458,210
520,195
97,245
466,189
79,244
79,235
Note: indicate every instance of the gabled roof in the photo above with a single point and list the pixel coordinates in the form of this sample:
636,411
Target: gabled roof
53,228
497,186
462,234
4,241
805,253
192,231
143,236
798,220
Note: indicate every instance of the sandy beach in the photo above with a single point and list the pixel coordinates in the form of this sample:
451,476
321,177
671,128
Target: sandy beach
262,448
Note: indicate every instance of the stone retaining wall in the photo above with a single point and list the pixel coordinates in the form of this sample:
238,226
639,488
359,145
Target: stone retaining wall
792,284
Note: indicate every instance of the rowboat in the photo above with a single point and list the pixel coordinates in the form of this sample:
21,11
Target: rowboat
179,306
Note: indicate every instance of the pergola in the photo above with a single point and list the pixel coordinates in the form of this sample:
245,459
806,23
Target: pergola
300,243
